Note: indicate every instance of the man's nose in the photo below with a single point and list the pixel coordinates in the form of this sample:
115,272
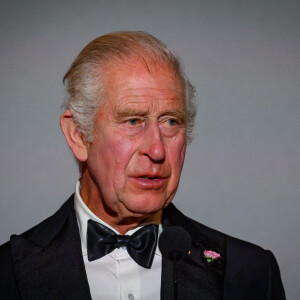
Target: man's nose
153,144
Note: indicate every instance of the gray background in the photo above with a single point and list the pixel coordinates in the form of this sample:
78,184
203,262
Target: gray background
241,174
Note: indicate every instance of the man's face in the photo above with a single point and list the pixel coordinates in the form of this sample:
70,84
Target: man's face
139,146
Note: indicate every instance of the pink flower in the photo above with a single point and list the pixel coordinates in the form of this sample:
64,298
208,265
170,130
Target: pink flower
211,255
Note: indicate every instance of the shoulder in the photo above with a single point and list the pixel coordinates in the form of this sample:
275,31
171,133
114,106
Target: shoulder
248,266
5,261
47,229
242,253
238,252
243,256
251,272
246,250
239,248
41,232
8,286
246,258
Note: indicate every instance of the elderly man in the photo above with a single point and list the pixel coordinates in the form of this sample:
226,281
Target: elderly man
128,119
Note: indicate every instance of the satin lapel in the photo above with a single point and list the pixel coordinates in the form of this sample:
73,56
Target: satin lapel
47,260
197,279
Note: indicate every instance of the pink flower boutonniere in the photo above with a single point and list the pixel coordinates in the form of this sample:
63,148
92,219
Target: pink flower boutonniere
211,255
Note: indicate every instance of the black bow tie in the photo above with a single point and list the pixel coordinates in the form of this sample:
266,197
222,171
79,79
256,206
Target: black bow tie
140,246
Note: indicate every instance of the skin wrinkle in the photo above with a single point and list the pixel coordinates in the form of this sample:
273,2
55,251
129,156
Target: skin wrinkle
133,166
86,76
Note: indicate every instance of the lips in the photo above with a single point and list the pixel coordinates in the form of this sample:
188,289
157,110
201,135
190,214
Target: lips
150,177
149,181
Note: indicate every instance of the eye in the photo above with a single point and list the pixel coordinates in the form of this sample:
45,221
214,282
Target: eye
133,122
172,122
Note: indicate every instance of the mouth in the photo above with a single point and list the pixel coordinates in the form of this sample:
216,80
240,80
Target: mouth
149,182
150,177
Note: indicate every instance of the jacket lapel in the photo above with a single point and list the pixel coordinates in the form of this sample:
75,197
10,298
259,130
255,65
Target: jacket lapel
47,260
39,256
197,279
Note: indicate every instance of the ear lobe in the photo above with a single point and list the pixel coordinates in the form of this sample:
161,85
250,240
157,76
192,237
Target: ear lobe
73,137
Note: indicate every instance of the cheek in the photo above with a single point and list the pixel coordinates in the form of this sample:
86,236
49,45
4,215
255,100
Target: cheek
123,149
177,154
182,153
119,151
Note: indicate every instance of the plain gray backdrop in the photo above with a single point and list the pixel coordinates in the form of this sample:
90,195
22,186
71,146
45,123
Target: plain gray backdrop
241,173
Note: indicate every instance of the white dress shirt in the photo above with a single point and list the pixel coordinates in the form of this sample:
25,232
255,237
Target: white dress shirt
117,275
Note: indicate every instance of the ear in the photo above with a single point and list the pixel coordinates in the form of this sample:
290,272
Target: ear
74,138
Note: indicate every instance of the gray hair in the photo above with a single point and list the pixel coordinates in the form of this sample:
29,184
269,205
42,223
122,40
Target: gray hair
85,78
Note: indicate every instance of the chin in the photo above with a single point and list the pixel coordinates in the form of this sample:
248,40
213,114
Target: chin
147,206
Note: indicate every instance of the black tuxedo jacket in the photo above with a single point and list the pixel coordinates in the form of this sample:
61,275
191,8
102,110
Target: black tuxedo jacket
46,263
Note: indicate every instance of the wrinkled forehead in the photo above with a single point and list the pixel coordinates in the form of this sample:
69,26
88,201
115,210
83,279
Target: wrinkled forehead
151,63
140,74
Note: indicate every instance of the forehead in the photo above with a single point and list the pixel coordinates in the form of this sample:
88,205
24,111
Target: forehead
143,82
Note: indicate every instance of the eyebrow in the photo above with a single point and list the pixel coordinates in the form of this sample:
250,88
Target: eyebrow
143,113
131,112
181,116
